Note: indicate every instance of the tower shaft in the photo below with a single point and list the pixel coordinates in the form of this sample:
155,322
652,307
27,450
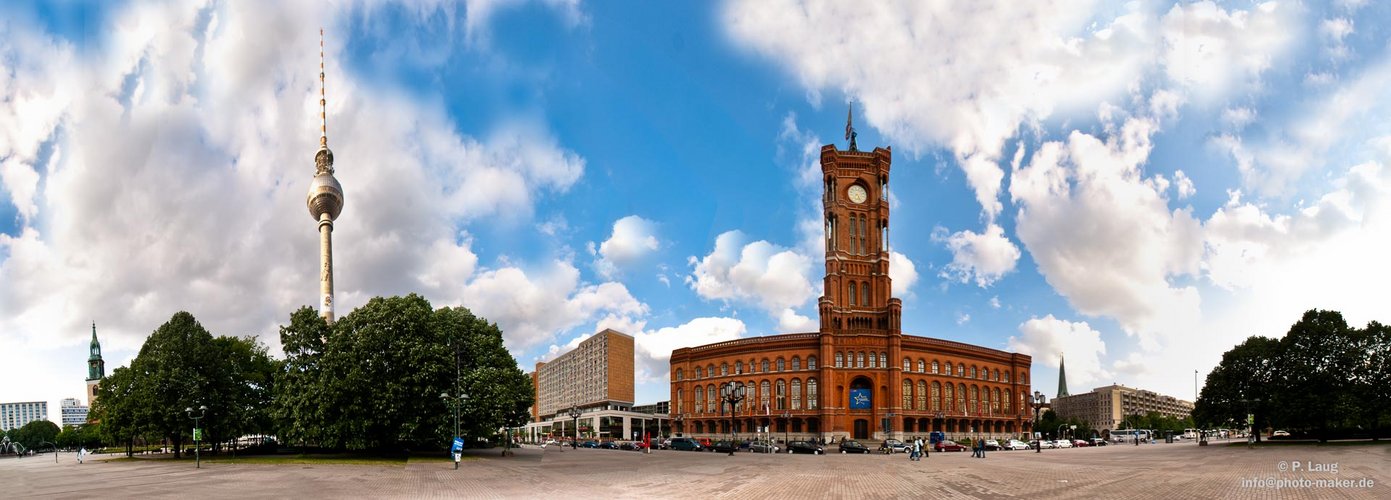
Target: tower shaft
326,262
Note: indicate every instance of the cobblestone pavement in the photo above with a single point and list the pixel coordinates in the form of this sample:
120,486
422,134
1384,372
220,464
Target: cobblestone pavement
1172,471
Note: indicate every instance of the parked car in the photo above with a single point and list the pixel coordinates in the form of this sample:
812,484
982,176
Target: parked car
804,447
589,444
626,445
706,442
608,445
1078,443
893,446
686,444
763,447
1280,434
639,445
1062,443
992,445
1045,444
724,446
1015,444
948,445
848,446
1098,442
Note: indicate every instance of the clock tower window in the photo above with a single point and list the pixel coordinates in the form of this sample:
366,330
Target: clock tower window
864,223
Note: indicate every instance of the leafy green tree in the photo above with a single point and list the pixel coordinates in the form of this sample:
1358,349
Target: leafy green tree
239,395
35,433
175,368
120,408
1315,370
1375,383
1244,382
298,395
500,394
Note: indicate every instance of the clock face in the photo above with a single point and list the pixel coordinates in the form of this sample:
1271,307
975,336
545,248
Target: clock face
857,193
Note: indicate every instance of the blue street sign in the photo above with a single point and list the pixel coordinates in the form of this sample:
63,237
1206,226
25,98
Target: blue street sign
458,444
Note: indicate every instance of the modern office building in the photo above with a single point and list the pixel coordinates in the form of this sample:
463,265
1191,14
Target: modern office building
74,413
15,415
1104,408
596,381
858,375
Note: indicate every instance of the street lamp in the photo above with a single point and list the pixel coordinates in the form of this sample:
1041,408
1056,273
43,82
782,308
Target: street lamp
455,403
786,423
575,415
732,393
197,434
1039,399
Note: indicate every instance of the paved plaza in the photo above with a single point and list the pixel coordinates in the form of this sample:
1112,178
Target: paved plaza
1173,471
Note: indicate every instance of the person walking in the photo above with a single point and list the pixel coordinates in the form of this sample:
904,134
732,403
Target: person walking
982,448
81,453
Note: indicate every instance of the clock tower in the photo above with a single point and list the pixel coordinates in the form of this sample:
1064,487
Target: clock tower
855,201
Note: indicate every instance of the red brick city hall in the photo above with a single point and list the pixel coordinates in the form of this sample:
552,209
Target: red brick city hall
859,375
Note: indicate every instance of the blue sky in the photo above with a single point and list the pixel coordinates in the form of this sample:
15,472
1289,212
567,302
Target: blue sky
1138,186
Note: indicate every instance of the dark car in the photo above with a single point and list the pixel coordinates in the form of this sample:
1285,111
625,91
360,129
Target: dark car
1098,442
725,446
804,447
589,444
686,444
626,445
949,445
853,447
608,445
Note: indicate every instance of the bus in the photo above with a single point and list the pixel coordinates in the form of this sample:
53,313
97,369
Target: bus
1130,435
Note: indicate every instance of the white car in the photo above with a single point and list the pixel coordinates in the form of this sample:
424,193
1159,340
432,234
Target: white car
1045,444
1062,443
1015,444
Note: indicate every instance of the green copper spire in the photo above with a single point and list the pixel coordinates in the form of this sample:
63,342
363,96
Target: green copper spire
96,368
1062,377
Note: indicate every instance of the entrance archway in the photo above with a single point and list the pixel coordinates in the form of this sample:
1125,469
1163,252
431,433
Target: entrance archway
861,428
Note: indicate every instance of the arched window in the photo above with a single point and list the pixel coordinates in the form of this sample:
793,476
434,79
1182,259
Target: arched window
883,360
763,394
700,399
796,363
864,293
1006,377
838,360
922,395
738,367
907,365
679,375
710,398
907,394
781,367
765,366
782,395
680,401
961,397
854,248
995,401
948,399
1006,400
860,360
852,294
872,361
864,229
961,370
751,401
883,236
975,399
796,394
811,362
700,373
922,366
935,367
973,372
949,368
812,399
724,369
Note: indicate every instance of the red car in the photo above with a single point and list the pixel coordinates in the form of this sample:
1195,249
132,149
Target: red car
1078,443
949,445
706,442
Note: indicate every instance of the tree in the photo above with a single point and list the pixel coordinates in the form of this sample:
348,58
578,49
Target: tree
1315,368
1243,383
120,408
1375,384
175,369
298,396
500,394
36,433
240,391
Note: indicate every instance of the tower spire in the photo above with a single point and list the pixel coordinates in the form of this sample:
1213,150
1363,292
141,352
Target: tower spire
850,126
323,96
1062,377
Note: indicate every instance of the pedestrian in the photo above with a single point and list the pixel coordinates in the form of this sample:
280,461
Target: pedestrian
81,453
976,449
917,451
982,448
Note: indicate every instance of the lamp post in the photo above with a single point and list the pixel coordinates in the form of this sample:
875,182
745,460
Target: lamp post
575,416
455,402
1039,399
197,434
732,393
786,424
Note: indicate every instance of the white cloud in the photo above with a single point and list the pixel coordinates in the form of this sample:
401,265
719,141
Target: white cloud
1102,234
1079,345
533,308
1184,185
759,272
632,239
962,318
653,348
1213,51
970,98
983,258
790,321
995,302
903,273
480,12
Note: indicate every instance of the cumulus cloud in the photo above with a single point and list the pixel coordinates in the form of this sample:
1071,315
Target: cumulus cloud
653,348
1214,51
632,239
480,12
1078,344
983,258
532,308
903,273
758,272
1102,233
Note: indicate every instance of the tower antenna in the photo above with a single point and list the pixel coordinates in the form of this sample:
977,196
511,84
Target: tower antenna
323,96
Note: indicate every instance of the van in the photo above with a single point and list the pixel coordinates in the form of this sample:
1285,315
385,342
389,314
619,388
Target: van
686,444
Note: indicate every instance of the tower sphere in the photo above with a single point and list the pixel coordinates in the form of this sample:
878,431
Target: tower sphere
325,194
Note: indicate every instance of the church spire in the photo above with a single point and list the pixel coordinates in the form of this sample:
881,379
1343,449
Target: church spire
1062,377
850,126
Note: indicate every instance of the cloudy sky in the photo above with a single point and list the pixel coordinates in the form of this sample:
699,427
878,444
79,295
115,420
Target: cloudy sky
1138,186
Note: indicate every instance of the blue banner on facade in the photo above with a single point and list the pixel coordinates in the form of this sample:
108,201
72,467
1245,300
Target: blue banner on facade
860,399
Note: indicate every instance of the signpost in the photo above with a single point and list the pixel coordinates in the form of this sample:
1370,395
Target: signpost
458,450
